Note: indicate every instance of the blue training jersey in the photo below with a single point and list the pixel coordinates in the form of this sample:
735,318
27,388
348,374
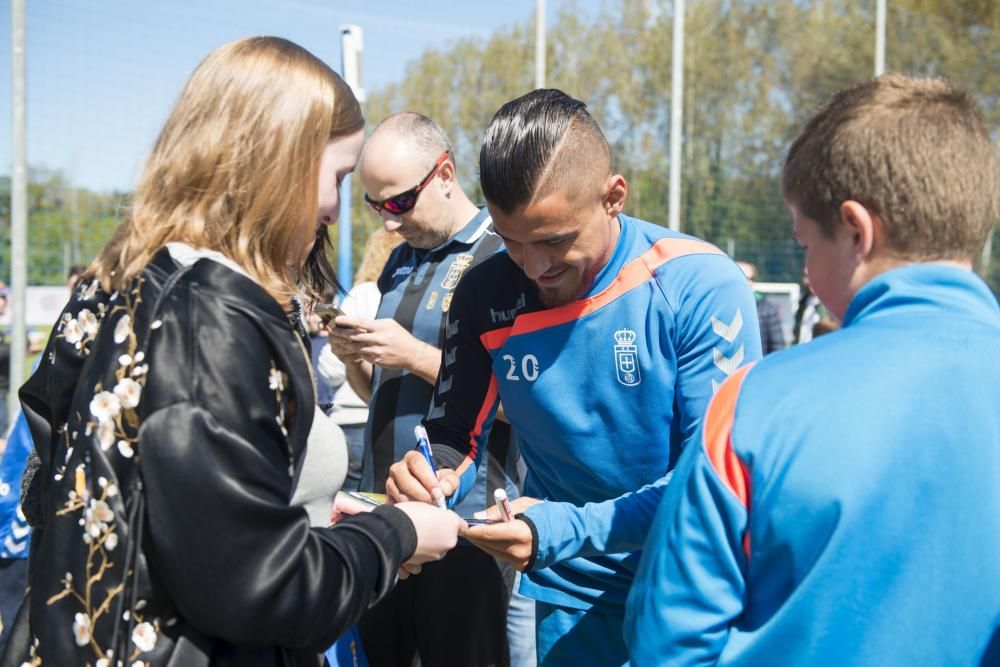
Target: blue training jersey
603,393
842,504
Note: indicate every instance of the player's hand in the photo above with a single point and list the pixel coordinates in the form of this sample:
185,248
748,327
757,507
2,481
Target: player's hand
412,479
383,342
517,506
437,532
511,541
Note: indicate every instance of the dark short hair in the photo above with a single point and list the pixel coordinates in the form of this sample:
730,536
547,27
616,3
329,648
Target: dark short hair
522,139
914,151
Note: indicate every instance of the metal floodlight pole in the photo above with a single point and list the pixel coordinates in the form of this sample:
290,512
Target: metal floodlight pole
351,45
676,118
540,44
19,207
879,37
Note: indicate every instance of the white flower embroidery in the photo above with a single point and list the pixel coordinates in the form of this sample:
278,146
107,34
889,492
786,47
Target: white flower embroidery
89,290
103,662
111,542
128,392
81,629
101,511
88,323
123,328
96,518
144,636
124,360
106,434
125,449
73,332
105,406
276,380
139,356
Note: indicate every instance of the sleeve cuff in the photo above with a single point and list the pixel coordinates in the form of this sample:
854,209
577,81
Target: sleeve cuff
447,457
534,541
402,526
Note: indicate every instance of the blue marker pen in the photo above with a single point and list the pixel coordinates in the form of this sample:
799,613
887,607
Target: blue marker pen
424,445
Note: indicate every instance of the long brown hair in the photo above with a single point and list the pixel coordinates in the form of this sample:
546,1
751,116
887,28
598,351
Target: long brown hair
235,168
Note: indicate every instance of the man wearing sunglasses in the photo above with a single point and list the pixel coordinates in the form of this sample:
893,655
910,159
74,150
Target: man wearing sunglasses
455,614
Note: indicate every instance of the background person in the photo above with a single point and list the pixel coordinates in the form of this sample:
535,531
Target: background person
772,335
840,503
408,171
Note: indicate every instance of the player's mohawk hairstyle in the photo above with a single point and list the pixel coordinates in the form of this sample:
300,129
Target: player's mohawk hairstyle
521,140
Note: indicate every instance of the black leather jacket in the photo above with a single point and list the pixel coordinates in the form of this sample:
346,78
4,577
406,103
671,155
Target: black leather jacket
228,572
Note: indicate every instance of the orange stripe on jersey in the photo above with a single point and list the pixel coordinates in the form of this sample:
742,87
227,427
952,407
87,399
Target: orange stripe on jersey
494,340
484,411
633,274
718,442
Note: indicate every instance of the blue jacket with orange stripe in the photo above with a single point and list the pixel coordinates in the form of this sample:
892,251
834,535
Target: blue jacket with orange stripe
843,504
602,393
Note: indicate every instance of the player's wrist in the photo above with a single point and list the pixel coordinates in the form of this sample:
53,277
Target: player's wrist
534,541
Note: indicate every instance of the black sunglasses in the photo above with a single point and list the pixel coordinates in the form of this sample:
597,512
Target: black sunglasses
405,201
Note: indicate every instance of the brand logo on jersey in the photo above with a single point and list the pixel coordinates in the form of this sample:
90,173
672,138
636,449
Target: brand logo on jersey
728,332
455,271
498,316
627,358
402,271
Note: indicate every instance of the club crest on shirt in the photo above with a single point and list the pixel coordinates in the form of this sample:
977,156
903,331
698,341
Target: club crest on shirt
627,358
455,271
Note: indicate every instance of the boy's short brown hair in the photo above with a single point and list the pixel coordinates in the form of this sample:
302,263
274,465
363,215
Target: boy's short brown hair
913,151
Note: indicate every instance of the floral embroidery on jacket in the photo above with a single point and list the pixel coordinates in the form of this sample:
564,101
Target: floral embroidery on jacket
113,424
277,380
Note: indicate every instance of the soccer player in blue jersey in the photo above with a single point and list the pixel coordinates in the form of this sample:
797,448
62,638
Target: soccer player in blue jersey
841,505
604,336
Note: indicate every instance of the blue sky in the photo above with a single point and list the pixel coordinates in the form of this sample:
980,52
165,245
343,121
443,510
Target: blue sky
102,74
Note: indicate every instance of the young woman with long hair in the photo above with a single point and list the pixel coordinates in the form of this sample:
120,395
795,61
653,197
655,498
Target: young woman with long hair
171,411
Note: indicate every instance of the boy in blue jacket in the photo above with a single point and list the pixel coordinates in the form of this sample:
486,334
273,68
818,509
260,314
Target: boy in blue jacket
841,503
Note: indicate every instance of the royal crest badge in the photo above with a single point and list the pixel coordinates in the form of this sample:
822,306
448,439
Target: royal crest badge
627,358
461,262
